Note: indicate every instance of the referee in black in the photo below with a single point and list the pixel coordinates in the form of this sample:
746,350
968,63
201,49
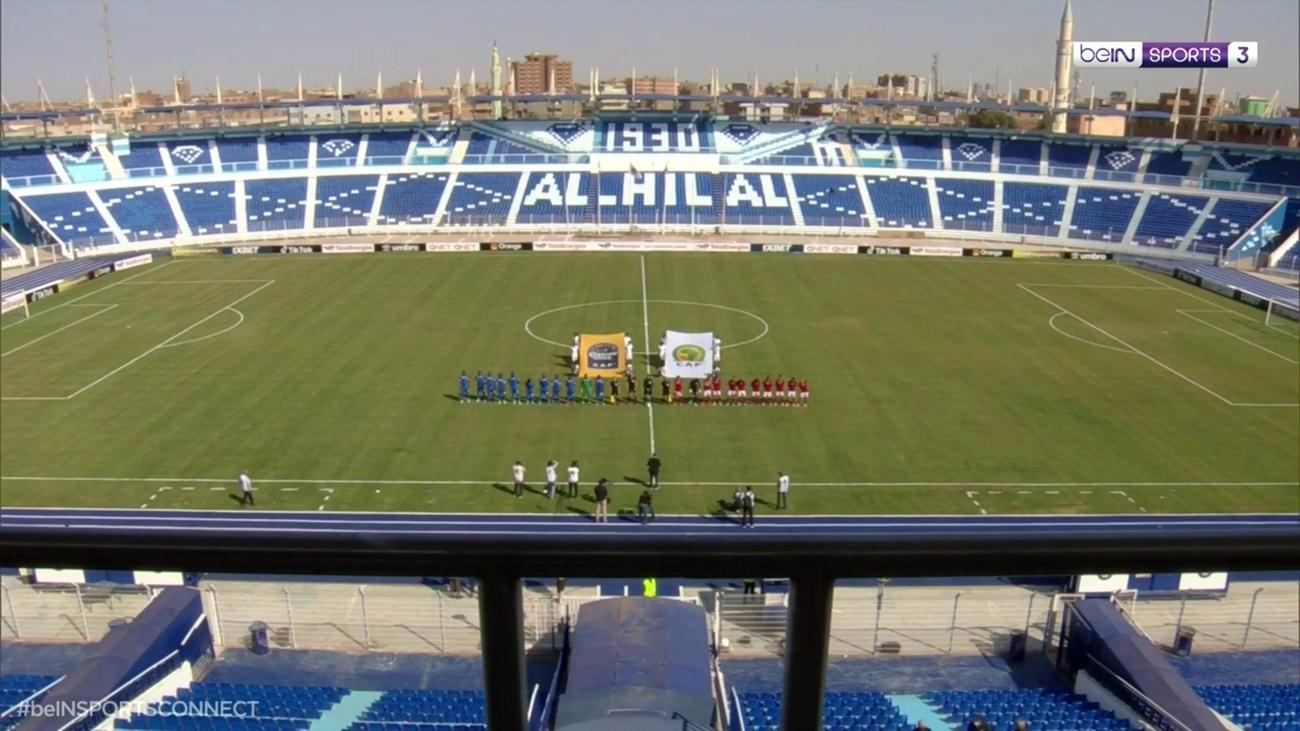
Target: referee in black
747,500
649,389
653,464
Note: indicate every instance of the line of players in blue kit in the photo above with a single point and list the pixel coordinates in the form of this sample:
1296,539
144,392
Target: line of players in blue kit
570,390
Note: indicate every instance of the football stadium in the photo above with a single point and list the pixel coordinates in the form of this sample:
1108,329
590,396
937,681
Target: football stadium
647,404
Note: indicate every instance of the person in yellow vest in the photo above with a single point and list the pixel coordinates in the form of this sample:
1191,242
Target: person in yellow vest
649,588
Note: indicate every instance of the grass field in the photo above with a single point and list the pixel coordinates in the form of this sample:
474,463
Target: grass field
938,387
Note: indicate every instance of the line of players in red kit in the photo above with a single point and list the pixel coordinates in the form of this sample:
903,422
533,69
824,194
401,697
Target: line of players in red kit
782,391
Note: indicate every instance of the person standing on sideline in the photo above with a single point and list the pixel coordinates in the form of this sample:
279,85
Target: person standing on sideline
652,465
542,385
246,490
602,500
514,388
613,390
464,387
501,387
649,388
551,478
586,390
517,472
479,385
600,391
555,389
782,491
747,501
631,386
645,507
573,478
665,391
570,387
528,391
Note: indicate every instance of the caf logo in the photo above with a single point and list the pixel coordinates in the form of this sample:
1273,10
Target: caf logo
688,354
603,356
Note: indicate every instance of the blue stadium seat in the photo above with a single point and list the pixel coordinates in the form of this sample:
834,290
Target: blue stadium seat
966,204
1275,707
1020,157
1103,214
190,157
1167,219
209,208
830,200
756,199
287,151
344,200
1033,209
1164,165
141,213
900,202
411,198
388,148
1042,709
1067,161
923,152
275,204
481,198
237,153
17,166
489,149
801,154
554,197
143,161
72,217
1226,223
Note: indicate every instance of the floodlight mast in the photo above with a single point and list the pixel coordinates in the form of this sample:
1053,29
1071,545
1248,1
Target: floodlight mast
112,71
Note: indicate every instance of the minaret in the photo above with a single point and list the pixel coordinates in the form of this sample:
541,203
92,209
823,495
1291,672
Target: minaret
1061,99
496,81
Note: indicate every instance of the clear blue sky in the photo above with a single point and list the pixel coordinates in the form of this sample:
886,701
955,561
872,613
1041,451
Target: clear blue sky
60,41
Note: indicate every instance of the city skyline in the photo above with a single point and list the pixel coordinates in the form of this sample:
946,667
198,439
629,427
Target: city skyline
331,40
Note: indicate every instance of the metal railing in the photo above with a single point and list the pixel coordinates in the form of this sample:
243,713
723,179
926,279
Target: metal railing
812,561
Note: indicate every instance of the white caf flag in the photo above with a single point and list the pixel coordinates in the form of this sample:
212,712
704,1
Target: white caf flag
689,355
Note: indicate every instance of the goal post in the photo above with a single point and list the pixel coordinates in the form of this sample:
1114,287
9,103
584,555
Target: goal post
14,303
1283,316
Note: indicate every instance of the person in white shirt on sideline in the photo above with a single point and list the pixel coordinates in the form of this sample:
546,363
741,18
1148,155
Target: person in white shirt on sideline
246,490
551,478
627,345
782,491
573,478
517,472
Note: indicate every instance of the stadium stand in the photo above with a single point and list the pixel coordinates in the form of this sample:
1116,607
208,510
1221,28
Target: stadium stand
287,151
481,198
18,166
1020,156
1273,707
145,160
14,689
1278,171
275,204
842,712
424,707
344,200
208,207
900,202
966,204
190,157
238,153
971,154
1042,709
923,152
1115,162
552,197
830,200
1167,164
1167,219
9,247
759,199
1226,222
1067,161
337,150
273,708
802,154
141,213
1103,214
1033,208
411,198
72,217
387,148
485,148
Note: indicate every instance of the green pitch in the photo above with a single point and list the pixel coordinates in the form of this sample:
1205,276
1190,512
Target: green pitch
938,387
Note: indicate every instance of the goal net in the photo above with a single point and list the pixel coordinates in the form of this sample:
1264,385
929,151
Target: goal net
1283,316
13,307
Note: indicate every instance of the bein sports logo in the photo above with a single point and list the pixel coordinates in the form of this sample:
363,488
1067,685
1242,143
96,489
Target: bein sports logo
603,356
1165,54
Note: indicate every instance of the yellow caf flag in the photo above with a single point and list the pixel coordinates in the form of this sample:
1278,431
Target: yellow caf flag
602,355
